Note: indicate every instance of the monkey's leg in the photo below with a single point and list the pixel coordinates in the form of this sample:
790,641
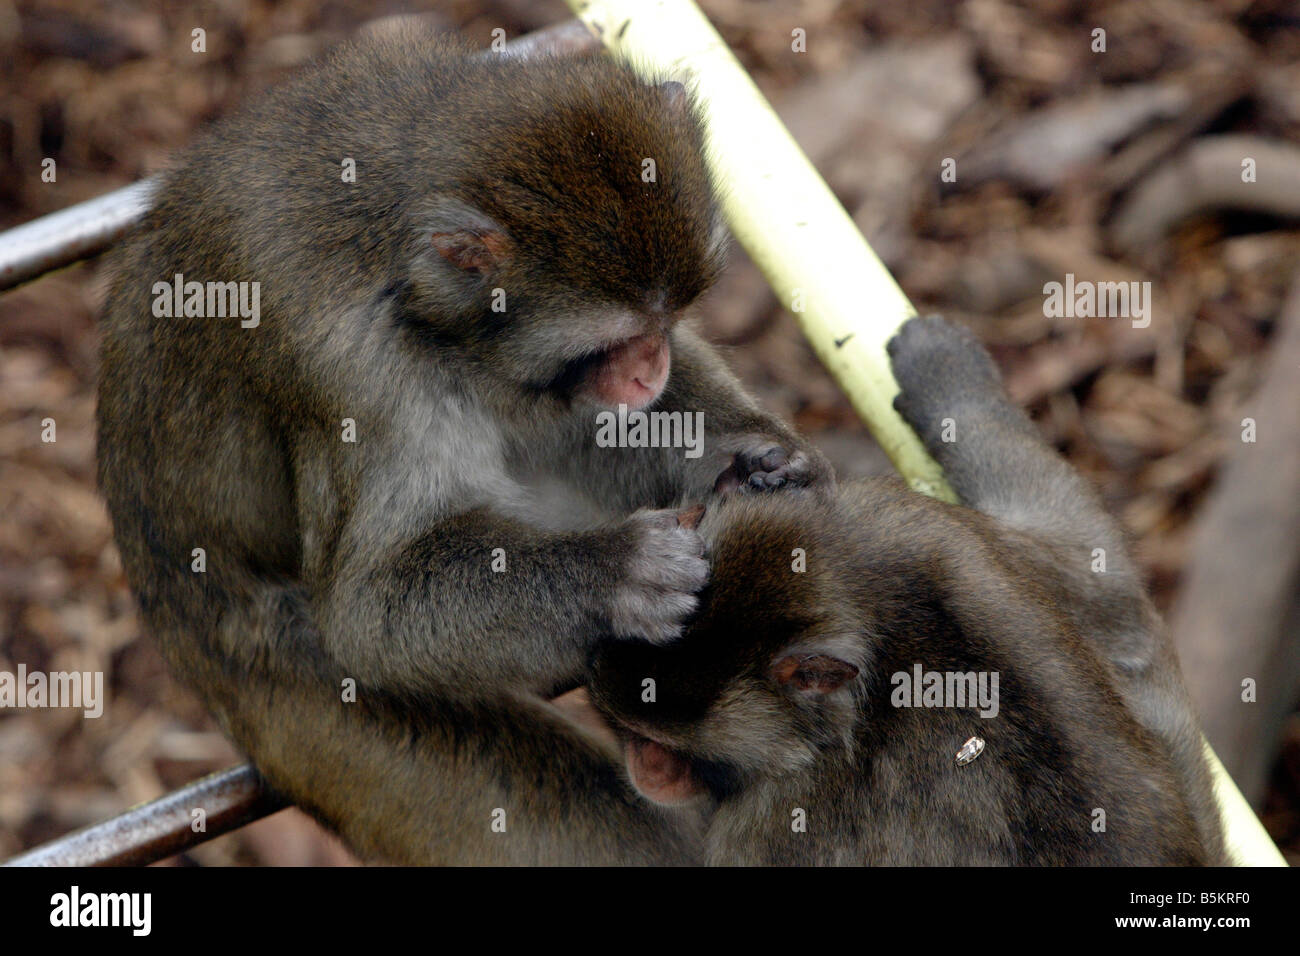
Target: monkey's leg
508,782
998,464
990,451
409,772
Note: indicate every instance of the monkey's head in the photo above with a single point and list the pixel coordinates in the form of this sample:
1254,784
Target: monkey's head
573,225
770,673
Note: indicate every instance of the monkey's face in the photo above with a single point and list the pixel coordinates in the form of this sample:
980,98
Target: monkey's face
555,340
539,332
764,679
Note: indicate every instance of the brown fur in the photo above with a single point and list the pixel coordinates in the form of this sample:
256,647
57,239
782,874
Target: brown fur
778,699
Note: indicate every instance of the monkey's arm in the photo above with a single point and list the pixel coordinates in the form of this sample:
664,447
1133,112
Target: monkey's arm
756,444
479,603
740,439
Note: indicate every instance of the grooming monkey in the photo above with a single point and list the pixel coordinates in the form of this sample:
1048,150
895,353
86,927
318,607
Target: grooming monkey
410,539
779,709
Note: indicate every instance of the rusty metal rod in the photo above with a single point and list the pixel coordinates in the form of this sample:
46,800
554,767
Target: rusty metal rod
86,229
154,831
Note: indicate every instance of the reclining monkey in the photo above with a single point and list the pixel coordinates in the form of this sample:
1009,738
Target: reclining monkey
787,709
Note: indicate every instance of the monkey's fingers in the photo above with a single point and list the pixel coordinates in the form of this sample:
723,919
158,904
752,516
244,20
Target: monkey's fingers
770,467
665,570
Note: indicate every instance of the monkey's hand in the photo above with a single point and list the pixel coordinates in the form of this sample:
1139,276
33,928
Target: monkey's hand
767,466
665,569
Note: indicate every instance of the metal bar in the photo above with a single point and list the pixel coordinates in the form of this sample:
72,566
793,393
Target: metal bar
154,831
86,229
69,235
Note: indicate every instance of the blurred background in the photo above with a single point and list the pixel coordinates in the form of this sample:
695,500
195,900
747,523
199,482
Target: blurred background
1106,165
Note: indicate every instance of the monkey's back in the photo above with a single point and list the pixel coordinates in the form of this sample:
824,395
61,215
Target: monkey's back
1066,774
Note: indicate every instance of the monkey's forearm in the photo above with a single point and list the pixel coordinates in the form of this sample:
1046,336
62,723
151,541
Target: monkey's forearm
738,432
480,604
478,600
701,381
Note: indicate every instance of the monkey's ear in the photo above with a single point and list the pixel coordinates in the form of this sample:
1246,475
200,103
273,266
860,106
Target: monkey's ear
819,673
465,237
661,775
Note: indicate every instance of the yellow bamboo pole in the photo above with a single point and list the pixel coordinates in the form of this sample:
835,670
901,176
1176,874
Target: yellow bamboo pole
816,260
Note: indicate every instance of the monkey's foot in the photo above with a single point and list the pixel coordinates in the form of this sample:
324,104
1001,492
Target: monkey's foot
940,367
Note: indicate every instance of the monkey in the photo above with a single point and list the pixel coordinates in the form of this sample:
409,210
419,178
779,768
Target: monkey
790,709
365,515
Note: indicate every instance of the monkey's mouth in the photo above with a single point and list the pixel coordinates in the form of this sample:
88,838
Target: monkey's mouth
631,371
638,739
576,371
666,775
650,752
